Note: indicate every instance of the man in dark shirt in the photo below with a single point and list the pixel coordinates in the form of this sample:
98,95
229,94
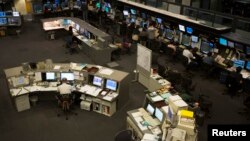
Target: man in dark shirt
235,81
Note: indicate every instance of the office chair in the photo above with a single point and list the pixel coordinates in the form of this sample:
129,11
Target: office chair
125,135
65,102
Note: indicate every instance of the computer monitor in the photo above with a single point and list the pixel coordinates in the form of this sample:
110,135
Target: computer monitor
77,27
50,76
223,41
97,81
13,21
98,5
189,30
248,65
181,27
194,39
111,85
239,63
170,115
3,21
206,47
125,12
239,47
133,12
20,81
186,40
158,114
159,20
169,34
68,75
248,50
230,44
150,109
2,14
107,9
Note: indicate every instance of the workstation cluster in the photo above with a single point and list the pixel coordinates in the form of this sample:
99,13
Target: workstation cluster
92,41
9,20
164,115
97,88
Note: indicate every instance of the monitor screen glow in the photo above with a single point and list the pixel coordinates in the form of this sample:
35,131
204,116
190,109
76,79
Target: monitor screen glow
194,39
125,12
159,114
97,81
3,21
150,109
2,14
239,63
68,75
77,27
182,28
223,41
50,76
230,44
159,20
189,30
20,80
248,65
133,11
111,84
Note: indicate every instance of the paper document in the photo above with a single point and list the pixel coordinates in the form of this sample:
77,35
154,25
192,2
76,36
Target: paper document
138,119
157,98
137,114
108,98
56,67
38,76
106,71
150,137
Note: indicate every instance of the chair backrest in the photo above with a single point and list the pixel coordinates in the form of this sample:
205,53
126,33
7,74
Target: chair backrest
65,101
125,135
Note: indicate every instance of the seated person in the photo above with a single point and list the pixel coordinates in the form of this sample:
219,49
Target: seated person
191,58
235,81
198,58
208,59
73,45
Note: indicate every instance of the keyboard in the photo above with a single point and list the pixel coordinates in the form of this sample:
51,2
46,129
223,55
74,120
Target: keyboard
151,121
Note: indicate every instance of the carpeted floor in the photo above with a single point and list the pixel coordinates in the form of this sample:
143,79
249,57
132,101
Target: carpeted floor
40,123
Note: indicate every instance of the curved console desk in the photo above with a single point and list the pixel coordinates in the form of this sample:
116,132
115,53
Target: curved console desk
93,41
100,86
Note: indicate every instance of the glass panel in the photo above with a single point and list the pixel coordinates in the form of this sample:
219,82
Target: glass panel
205,18
221,21
243,25
191,13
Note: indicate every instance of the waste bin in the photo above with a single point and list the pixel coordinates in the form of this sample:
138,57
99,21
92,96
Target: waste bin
33,100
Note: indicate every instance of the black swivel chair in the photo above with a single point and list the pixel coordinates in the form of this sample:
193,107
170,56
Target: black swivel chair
65,102
125,135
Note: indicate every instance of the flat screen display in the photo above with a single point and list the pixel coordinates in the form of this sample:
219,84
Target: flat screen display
206,47
133,11
2,14
21,80
239,47
186,40
181,27
189,30
125,12
13,21
248,65
50,76
239,63
159,114
68,75
223,41
194,39
159,20
97,81
111,84
169,34
150,109
98,5
77,27
248,50
230,44
3,21
170,114
16,14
